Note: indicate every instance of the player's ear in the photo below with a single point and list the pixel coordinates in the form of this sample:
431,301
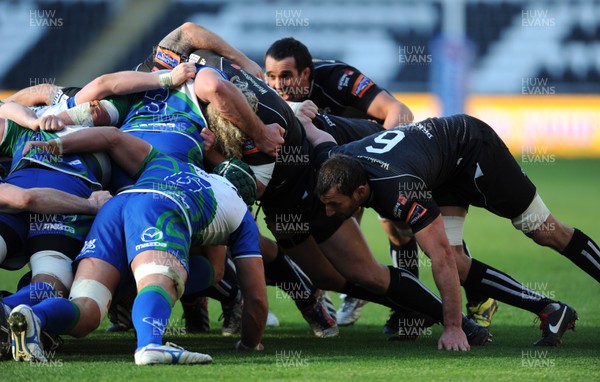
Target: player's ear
305,74
362,192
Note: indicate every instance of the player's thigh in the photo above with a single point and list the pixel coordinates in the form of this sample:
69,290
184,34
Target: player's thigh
155,226
308,256
349,253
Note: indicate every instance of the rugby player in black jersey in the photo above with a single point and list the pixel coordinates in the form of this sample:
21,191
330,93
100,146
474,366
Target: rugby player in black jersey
337,88
349,266
426,175
332,252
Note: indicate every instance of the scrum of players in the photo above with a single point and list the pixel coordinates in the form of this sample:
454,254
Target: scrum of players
136,191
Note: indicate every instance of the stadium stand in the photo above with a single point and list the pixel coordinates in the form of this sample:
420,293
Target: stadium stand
58,30
563,49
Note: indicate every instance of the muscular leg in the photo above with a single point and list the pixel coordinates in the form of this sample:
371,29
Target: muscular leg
84,313
571,243
348,252
475,275
350,255
403,248
158,290
311,260
282,272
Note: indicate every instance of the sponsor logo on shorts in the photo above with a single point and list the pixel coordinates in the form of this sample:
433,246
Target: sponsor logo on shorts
151,234
151,238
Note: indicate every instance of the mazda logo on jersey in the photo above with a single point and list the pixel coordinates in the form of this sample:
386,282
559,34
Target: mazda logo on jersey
151,234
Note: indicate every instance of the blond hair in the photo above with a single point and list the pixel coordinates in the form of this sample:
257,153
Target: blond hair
229,138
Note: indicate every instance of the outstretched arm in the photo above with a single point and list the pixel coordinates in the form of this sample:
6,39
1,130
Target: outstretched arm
250,273
14,199
432,239
128,82
229,101
127,151
189,37
245,250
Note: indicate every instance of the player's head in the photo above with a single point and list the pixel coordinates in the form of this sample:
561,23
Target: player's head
229,139
289,68
342,185
241,176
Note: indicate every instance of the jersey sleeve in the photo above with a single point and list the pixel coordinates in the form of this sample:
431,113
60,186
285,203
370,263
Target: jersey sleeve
404,199
10,137
244,242
322,152
121,103
348,86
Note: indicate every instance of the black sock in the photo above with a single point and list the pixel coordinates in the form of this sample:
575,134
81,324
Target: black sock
359,292
584,253
406,256
223,291
474,296
406,290
287,276
502,287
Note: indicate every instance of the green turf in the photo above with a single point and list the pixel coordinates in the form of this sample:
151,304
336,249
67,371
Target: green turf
361,352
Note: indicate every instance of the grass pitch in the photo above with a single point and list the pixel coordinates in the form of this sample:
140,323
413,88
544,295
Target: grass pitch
361,352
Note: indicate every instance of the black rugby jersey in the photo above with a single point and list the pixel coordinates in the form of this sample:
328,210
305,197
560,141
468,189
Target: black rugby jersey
406,164
340,89
292,162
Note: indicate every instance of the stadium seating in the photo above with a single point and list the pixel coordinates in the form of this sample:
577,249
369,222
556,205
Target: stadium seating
566,53
61,28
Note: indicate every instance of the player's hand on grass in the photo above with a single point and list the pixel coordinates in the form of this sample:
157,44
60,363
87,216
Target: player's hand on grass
453,339
98,199
241,347
182,73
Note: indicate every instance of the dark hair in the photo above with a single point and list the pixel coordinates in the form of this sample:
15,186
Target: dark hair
343,172
290,47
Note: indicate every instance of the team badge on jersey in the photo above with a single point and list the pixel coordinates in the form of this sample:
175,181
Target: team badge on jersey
361,85
88,247
345,79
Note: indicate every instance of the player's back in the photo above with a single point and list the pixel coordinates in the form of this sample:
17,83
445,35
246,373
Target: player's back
210,204
433,150
92,168
293,159
175,111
